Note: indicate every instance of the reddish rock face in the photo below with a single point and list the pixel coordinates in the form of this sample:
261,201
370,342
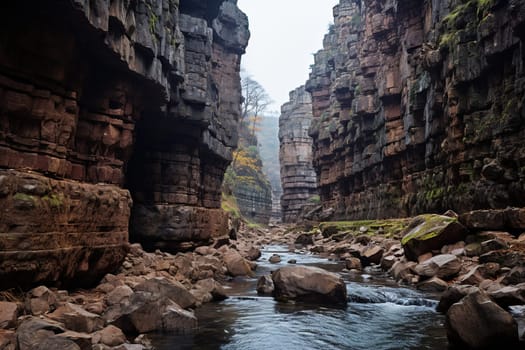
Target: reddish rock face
96,97
418,107
60,230
295,155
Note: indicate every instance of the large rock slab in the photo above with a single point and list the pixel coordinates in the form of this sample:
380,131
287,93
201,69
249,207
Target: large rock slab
443,266
148,313
76,232
161,288
478,323
32,332
8,314
236,264
430,232
75,318
310,284
495,219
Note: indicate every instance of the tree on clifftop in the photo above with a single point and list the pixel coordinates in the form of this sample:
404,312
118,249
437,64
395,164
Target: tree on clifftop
255,102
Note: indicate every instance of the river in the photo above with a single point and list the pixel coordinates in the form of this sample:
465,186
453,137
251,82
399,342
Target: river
380,315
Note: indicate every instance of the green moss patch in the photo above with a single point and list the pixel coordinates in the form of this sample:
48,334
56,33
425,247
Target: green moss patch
54,200
388,227
425,227
229,205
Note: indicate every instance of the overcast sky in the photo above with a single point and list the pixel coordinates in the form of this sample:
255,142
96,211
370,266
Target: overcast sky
284,35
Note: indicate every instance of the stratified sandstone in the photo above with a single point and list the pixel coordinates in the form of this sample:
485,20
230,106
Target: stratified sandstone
295,155
100,100
419,107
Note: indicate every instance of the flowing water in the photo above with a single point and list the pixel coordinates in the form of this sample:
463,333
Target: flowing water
380,315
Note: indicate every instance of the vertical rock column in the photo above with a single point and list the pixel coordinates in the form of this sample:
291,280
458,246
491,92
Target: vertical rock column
418,107
295,155
176,172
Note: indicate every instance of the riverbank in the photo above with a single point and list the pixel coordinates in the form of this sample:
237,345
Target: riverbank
150,292
159,292
475,263
376,305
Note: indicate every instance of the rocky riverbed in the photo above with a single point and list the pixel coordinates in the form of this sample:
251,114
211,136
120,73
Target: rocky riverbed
479,274
150,292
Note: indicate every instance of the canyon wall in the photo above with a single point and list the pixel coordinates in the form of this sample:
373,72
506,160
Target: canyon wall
419,107
246,180
295,155
268,137
104,104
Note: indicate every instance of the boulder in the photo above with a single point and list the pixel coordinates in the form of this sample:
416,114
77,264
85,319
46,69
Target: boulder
443,266
207,290
310,284
118,295
353,263
509,295
33,331
75,318
430,232
146,314
387,261
265,285
434,284
505,258
495,219
452,295
477,322
205,250
161,288
489,270
56,342
253,253
473,249
372,255
453,248
493,244
177,320
8,314
515,276
274,259
483,219
40,300
110,336
236,264
7,339
83,340
473,277
403,270
305,239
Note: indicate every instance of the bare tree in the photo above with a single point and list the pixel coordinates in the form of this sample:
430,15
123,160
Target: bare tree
255,102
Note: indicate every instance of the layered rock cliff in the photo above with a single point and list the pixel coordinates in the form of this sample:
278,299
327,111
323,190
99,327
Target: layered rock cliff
246,180
104,102
419,107
295,155
269,149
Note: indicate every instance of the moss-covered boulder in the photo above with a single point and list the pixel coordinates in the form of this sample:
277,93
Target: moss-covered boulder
431,232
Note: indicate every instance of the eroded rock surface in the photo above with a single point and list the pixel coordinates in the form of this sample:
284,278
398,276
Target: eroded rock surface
295,155
100,96
418,107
